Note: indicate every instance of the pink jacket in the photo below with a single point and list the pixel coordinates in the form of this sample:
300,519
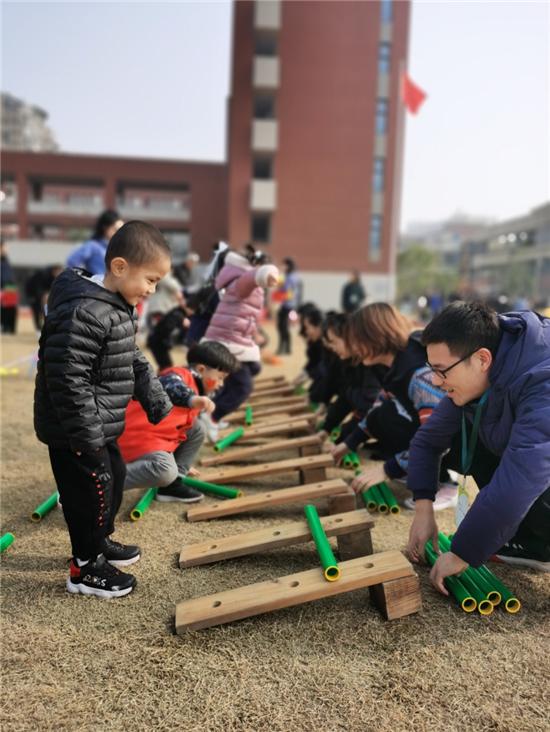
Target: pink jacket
236,318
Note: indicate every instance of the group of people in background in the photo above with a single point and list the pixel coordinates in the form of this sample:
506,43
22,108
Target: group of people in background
467,395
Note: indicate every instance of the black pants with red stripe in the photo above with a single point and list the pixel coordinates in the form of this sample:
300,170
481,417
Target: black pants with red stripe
90,489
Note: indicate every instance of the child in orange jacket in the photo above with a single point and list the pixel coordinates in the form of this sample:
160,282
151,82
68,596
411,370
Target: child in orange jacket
157,455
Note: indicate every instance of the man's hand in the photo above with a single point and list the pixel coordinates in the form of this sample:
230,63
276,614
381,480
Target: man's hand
370,476
447,564
203,403
423,528
338,451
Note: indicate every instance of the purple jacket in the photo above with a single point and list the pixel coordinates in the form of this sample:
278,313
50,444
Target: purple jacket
236,318
515,424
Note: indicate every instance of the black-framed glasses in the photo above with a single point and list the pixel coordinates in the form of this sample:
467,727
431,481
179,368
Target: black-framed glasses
442,373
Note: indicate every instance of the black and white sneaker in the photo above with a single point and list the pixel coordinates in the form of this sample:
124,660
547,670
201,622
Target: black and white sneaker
178,491
99,578
120,555
535,555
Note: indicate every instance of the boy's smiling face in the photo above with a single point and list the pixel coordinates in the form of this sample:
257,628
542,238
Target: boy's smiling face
212,379
136,282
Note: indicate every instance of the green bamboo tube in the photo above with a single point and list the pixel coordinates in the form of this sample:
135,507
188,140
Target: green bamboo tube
299,390
49,504
376,494
388,497
347,462
313,406
468,578
229,440
6,540
511,602
248,416
453,584
480,580
335,434
356,463
331,570
370,501
143,504
218,490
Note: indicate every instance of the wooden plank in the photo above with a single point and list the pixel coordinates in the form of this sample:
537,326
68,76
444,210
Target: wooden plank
250,542
262,380
279,497
275,391
275,401
272,422
244,453
258,414
398,597
279,428
294,589
244,472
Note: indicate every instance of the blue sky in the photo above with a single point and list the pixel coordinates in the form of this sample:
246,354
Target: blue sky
139,78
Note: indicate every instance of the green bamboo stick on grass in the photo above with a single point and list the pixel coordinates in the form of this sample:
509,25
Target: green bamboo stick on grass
477,589
248,416
453,584
376,495
218,490
388,497
335,434
347,462
356,463
44,508
229,439
143,504
6,540
511,602
331,570
370,500
472,573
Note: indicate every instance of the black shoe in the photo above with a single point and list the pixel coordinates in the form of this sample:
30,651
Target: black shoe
99,578
120,555
178,491
534,555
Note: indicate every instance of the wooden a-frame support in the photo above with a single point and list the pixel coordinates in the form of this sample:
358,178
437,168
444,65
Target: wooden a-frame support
306,445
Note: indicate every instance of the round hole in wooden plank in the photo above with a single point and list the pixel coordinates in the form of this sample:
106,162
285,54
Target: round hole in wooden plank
214,546
294,584
276,533
268,495
215,505
217,603
338,520
369,565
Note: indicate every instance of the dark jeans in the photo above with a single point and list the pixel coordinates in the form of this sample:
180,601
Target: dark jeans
283,329
90,488
536,523
8,319
236,389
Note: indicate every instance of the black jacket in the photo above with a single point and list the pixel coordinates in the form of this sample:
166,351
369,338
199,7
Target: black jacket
89,367
360,385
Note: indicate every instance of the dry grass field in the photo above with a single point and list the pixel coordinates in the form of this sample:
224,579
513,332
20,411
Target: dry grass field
74,663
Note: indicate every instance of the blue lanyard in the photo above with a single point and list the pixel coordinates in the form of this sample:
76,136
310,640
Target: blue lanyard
467,451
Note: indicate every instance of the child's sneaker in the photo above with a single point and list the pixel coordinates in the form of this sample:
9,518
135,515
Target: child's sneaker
178,491
120,555
524,555
446,497
99,578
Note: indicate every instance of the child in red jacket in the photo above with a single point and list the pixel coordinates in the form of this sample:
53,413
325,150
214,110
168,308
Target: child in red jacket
157,455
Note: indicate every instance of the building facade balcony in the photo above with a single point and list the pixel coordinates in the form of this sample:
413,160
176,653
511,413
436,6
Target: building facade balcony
131,210
263,195
265,72
267,15
66,208
8,204
265,133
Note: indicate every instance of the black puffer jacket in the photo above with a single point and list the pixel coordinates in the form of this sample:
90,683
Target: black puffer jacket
89,367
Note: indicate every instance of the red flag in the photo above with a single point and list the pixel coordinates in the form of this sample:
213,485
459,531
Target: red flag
411,94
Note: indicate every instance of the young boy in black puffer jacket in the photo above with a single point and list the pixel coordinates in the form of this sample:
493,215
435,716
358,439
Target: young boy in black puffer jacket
88,370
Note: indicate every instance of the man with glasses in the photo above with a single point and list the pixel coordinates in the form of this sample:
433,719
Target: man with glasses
494,424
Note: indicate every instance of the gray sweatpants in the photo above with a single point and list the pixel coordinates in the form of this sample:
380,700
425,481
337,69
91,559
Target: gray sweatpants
158,469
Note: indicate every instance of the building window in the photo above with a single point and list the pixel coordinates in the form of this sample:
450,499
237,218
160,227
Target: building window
261,228
264,106
386,11
262,168
375,239
384,58
265,45
381,117
378,175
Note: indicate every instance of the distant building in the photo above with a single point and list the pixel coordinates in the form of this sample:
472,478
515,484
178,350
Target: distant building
511,258
24,126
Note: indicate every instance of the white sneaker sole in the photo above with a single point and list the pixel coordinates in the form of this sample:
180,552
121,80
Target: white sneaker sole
171,499
409,504
124,562
81,589
520,562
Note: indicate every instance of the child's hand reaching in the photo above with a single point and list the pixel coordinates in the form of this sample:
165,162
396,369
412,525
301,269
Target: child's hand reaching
203,403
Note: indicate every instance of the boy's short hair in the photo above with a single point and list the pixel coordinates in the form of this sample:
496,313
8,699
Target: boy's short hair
336,322
138,243
464,327
214,355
